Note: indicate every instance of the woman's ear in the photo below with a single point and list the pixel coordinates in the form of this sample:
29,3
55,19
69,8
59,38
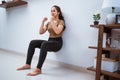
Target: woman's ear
58,12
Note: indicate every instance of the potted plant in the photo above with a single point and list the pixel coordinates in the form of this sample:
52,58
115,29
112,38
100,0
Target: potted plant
96,18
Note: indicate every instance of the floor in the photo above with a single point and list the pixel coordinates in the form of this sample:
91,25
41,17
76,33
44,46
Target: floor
9,61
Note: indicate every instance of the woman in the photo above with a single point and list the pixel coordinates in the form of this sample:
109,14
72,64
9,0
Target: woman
55,28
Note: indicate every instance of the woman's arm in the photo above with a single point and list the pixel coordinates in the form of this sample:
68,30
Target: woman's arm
58,28
42,28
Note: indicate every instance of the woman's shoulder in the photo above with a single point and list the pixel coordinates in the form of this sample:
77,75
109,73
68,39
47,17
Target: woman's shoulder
61,21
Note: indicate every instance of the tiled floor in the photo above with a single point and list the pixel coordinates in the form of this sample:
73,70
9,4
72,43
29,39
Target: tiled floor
10,61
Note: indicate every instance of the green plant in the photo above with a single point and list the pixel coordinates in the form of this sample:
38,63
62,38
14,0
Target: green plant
96,16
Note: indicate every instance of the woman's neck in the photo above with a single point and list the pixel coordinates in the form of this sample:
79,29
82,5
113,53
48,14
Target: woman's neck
55,18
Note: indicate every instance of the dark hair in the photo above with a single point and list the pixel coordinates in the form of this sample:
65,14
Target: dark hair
60,15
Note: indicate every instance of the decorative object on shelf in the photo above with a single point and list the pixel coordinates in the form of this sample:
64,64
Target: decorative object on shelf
108,41
3,1
117,19
13,3
112,7
112,42
96,18
108,64
117,42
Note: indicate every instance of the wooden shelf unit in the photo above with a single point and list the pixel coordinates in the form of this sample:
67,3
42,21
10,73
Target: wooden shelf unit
107,49
112,74
12,4
104,50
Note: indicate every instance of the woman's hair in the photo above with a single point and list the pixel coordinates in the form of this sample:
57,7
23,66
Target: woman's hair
60,15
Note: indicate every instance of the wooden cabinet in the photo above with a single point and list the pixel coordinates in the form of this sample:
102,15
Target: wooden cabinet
106,50
12,4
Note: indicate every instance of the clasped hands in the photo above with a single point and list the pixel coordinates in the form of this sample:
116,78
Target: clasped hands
52,21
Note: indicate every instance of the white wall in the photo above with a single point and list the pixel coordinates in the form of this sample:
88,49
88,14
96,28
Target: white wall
19,25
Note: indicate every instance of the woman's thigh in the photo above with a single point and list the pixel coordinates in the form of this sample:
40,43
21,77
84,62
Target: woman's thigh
36,43
51,45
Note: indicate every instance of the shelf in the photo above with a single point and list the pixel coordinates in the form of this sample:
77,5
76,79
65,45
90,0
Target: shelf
96,26
113,26
12,4
106,49
112,74
107,28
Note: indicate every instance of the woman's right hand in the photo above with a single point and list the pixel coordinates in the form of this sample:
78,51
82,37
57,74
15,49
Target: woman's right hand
44,19
42,28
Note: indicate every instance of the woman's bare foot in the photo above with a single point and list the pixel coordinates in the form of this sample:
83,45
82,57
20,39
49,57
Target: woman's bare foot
26,66
35,72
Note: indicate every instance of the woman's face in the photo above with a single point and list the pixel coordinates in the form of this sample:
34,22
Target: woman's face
54,12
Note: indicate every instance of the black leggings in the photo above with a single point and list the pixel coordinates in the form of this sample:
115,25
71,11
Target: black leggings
53,44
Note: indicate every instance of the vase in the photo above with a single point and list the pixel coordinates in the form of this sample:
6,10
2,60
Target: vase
96,22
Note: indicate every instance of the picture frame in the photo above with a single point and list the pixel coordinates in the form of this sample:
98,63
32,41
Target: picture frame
117,19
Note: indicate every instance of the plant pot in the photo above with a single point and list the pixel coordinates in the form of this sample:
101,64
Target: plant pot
96,22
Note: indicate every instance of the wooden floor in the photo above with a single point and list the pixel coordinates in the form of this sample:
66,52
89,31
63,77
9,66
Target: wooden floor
10,61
